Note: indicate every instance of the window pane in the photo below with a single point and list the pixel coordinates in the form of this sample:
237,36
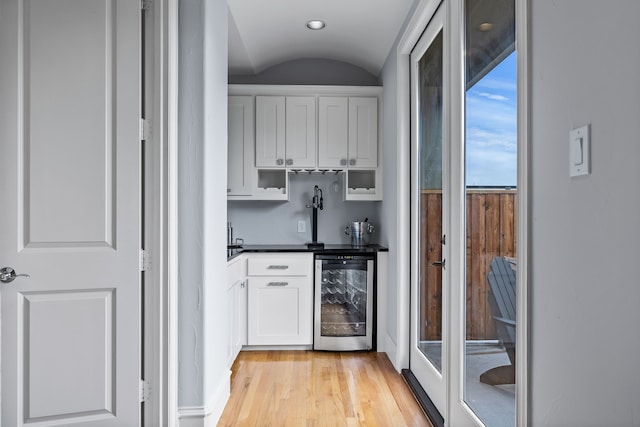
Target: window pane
490,180
430,171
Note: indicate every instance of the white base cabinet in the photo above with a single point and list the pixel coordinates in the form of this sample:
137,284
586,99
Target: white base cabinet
280,299
237,307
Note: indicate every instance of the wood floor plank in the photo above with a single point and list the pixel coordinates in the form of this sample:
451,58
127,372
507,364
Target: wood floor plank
319,389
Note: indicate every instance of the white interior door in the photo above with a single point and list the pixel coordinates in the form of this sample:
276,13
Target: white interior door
70,214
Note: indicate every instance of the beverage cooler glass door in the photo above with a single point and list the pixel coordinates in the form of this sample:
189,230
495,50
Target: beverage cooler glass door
343,302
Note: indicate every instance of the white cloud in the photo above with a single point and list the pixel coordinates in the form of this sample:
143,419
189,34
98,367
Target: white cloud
492,96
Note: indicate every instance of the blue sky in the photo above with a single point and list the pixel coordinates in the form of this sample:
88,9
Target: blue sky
491,127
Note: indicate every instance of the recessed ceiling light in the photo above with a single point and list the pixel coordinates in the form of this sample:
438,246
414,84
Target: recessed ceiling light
485,26
315,24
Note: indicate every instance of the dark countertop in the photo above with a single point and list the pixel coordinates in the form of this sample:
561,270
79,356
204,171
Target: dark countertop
328,249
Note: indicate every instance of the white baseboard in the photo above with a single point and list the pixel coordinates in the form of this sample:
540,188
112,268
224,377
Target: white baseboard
392,351
209,415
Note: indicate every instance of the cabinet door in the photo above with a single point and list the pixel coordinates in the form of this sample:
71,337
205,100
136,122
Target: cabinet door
280,311
363,132
301,132
241,318
240,146
270,131
333,131
232,299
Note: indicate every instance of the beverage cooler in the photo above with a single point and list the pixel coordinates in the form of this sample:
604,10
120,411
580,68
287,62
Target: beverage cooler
343,309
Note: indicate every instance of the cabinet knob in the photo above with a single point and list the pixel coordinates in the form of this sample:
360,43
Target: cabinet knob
228,190
343,162
289,162
279,162
352,162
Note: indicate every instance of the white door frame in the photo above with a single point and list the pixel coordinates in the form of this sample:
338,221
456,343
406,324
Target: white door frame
160,360
418,22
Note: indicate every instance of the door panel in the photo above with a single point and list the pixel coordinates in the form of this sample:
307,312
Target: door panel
429,195
70,183
61,139
53,324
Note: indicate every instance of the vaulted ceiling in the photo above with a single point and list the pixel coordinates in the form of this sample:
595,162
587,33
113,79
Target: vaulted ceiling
263,33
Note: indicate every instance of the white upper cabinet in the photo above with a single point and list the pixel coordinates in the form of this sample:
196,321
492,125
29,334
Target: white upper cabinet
363,132
270,128
348,132
310,129
301,132
240,170
286,131
333,131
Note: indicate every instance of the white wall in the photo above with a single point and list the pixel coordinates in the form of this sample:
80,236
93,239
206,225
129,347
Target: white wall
202,149
397,291
585,232
390,203
190,184
310,71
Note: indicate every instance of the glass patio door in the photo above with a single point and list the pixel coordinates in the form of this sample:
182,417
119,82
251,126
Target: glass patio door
463,194
428,211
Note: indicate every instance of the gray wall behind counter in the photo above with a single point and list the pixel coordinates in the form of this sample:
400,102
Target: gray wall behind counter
276,222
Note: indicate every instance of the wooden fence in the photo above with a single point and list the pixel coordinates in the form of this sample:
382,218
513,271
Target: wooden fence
491,232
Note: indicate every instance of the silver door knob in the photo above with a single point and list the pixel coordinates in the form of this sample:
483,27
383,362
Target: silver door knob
8,275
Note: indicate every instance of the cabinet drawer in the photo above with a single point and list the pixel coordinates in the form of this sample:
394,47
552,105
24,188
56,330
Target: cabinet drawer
288,265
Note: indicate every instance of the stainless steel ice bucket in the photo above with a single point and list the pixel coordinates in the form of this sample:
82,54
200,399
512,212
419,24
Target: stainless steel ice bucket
360,232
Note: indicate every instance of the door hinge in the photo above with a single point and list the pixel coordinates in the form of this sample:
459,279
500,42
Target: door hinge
145,260
145,4
145,129
145,391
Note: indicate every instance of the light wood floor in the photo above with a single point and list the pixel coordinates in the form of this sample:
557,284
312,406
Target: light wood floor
308,388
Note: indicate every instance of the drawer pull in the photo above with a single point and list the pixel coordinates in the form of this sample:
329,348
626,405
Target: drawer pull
277,267
277,283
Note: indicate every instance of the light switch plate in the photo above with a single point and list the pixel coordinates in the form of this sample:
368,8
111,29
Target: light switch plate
302,226
580,151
